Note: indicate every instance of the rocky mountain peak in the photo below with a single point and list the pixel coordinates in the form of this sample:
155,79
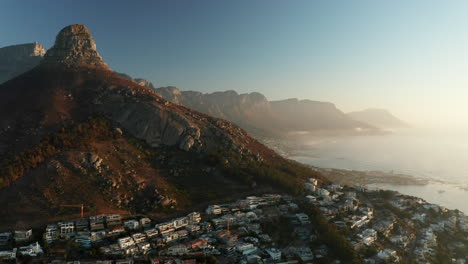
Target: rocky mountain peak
74,45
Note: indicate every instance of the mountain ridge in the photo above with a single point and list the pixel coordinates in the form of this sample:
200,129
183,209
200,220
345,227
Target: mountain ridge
379,117
254,112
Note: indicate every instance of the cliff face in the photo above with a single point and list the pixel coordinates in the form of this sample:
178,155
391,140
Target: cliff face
250,111
14,60
267,118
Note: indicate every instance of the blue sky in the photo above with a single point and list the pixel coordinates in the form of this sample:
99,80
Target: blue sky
407,56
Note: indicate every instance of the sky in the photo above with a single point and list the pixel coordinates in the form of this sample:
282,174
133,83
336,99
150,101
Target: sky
410,57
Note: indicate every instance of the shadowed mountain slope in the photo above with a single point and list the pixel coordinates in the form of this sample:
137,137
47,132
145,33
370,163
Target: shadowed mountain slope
73,131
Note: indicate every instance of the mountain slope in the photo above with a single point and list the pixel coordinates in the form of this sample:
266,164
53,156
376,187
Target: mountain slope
378,117
17,59
73,131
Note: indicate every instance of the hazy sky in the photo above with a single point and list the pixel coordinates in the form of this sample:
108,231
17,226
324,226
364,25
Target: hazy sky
410,57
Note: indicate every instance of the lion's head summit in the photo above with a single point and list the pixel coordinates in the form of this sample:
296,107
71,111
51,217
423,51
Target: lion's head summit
74,46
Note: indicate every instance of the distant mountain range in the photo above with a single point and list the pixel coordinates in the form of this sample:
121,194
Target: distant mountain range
251,111
266,118
379,117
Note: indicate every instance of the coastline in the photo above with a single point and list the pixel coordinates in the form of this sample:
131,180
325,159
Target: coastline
447,194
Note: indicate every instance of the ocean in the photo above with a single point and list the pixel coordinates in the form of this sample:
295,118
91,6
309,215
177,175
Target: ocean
438,155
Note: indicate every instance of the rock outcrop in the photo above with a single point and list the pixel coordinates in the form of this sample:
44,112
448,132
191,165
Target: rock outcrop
74,46
17,59
144,83
140,81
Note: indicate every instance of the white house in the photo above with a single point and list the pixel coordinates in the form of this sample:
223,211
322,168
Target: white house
8,254
368,236
194,218
145,222
214,209
388,254
32,250
67,229
5,238
275,254
177,250
132,224
303,218
22,235
125,242
138,237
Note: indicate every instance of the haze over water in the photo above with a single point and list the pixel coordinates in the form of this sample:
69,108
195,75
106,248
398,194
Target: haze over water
439,155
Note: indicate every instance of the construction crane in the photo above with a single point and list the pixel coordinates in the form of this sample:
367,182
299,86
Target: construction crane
75,205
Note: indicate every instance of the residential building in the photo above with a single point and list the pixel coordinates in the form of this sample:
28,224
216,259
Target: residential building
96,222
388,254
145,222
194,218
245,248
116,230
151,232
313,181
144,247
5,238
22,235
82,225
304,253
177,250
97,236
113,220
124,261
32,250
139,237
303,218
275,254
165,227
132,224
8,254
193,228
125,242
309,187
180,222
368,236
214,209
51,233
67,229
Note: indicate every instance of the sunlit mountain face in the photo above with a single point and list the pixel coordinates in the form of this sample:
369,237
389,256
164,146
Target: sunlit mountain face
233,132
